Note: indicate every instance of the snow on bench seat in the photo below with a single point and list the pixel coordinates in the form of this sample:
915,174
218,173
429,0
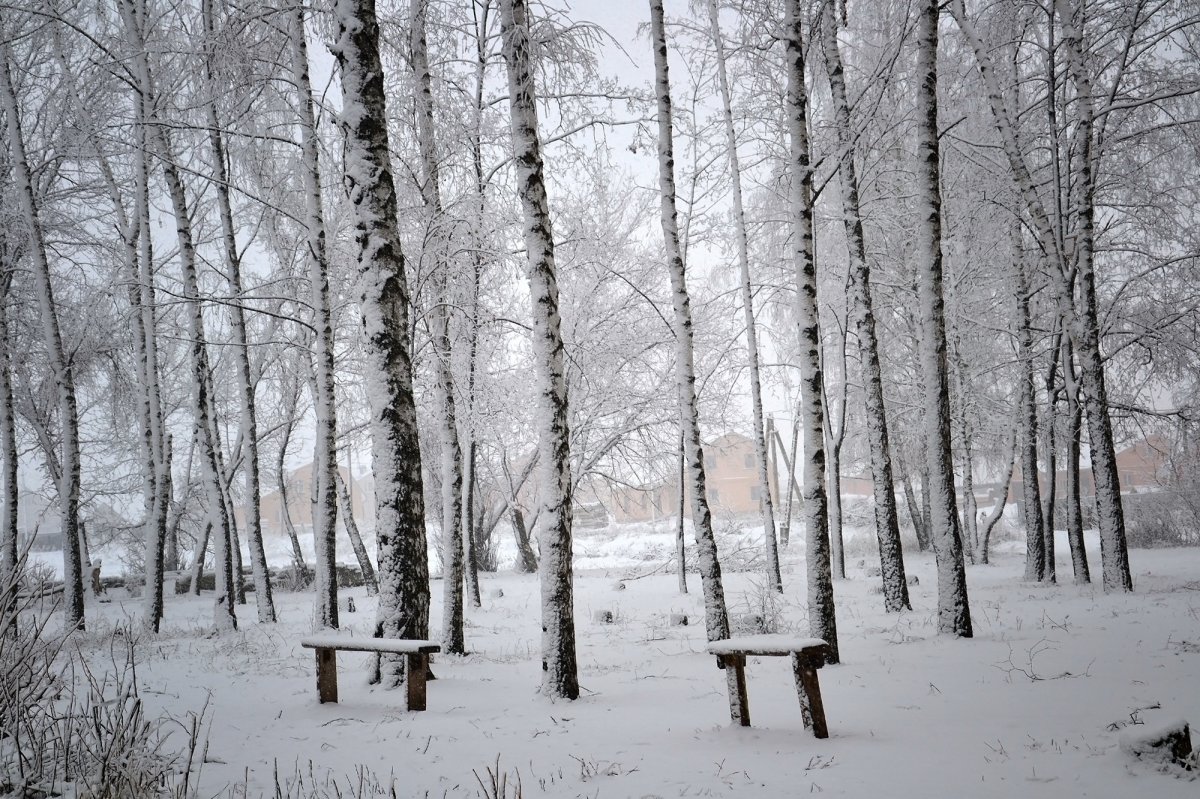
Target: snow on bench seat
395,646
808,655
417,652
765,645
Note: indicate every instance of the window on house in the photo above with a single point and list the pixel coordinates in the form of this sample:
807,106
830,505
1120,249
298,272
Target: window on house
756,493
750,461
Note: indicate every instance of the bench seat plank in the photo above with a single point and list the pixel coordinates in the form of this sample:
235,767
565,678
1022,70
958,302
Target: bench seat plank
763,645
396,646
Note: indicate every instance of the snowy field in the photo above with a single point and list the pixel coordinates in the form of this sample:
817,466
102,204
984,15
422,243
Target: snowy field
1034,706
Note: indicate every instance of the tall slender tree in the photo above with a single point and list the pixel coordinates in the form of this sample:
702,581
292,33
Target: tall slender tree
887,520
741,235
241,346
560,675
716,616
60,364
954,613
436,248
316,256
822,622
8,432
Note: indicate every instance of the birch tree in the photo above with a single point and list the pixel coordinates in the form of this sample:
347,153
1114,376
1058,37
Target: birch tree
316,256
241,348
887,523
716,616
770,546
560,676
822,622
954,614
68,487
8,430
384,302
452,466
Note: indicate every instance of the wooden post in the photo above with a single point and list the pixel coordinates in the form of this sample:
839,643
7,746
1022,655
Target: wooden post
812,708
418,666
327,675
735,677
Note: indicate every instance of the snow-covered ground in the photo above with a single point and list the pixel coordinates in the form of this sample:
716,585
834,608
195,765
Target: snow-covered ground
1034,705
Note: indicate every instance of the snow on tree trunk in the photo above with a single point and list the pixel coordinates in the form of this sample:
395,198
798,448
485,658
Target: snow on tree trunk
834,443
384,302
352,532
954,615
681,511
60,366
743,255
1074,520
1048,429
452,477
993,518
822,622
1114,552
8,433
560,678
470,522
716,616
1031,502
223,613
324,469
887,522
245,382
289,391
157,497
526,559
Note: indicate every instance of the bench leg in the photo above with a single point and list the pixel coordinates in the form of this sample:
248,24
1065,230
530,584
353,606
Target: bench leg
735,679
418,668
812,708
327,675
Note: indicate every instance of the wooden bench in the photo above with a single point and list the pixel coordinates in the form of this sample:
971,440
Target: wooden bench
327,646
808,655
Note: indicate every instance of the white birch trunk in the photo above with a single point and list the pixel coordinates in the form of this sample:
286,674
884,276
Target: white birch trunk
681,511
1114,552
223,612
770,545
8,433
716,616
403,610
560,677
822,622
325,403
1074,514
157,448
64,382
954,615
985,537
1050,464
245,381
452,477
887,523
352,532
